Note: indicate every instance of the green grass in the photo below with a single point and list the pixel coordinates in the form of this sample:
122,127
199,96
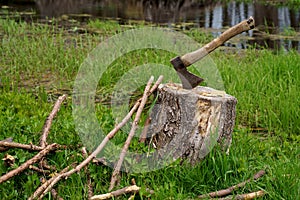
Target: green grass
40,62
266,85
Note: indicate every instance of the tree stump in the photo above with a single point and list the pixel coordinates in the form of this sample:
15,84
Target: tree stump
188,123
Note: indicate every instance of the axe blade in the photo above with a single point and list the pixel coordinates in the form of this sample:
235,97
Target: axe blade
188,80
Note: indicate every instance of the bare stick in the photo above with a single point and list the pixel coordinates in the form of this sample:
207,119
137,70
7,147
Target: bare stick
155,86
6,140
116,173
39,191
25,165
143,135
126,190
43,171
88,175
48,122
47,187
227,191
247,196
109,136
44,165
21,146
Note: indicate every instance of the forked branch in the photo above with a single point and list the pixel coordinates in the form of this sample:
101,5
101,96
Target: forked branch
46,187
48,122
29,162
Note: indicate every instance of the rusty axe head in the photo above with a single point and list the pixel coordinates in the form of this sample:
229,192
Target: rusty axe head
188,80
180,63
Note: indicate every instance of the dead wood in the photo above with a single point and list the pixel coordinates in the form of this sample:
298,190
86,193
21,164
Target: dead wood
143,135
48,122
40,189
116,174
5,140
88,175
25,165
47,126
229,190
42,171
44,165
90,157
9,160
126,190
30,147
247,196
187,124
133,181
46,187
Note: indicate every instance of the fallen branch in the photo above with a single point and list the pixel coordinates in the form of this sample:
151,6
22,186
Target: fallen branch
48,122
39,190
143,135
42,171
229,190
47,187
5,140
126,190
44,165
25,165
31,147
88,175
247,196
115,176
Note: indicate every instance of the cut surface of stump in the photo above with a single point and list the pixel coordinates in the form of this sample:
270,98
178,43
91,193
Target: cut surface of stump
189,123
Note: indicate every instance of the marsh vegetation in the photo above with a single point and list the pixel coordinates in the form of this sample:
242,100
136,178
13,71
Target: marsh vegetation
39,62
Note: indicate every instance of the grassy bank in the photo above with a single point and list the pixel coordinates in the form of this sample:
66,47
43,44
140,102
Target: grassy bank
41,61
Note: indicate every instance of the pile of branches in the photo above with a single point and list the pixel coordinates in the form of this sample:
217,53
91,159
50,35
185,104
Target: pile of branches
44,148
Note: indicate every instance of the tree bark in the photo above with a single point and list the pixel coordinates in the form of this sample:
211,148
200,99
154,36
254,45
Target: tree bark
188,123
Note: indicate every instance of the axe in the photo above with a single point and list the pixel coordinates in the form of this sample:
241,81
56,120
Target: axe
180,63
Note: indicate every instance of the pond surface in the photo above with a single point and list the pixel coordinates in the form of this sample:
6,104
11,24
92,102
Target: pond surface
277,26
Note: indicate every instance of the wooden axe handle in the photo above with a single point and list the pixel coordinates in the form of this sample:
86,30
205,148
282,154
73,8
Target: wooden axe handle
190,58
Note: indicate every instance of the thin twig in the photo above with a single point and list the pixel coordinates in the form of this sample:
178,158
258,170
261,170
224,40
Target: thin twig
143,135
5,140
39,190
93,154
229,190
115,176
48,122
25,165
247,196
109,136
88,175
21,146
44,165
126,190
42,171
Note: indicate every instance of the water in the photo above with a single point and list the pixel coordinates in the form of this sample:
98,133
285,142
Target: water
276,26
